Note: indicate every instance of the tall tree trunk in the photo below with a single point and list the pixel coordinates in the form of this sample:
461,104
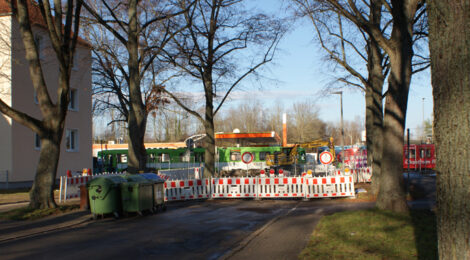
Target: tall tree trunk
209,157
137,120
391,194
374,104
374,114
42,193
449,40
374,128
137,155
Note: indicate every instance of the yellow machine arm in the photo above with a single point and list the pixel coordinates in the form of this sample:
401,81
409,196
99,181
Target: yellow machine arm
284,159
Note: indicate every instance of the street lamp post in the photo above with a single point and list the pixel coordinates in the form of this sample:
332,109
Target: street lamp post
340,93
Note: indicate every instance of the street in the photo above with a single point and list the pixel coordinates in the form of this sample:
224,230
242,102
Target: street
187,230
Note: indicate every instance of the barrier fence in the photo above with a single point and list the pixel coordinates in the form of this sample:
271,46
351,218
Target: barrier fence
70,186
260,187
182,174
362,174
271,186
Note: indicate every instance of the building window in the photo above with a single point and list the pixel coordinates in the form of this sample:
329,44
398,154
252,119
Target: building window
37,142
199,157
235,156
412,153
73,104
165,157
262,155
76,60
122,158
71,140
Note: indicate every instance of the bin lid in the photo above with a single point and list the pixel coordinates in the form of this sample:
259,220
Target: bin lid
135,178
106,180
152,177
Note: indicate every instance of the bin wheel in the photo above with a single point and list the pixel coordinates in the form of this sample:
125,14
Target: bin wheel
95,217
140,213
116,215
164,207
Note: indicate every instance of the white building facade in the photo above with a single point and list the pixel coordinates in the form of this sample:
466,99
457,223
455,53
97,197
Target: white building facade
19,146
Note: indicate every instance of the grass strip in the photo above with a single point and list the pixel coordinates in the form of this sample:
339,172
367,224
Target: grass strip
374,234
26,213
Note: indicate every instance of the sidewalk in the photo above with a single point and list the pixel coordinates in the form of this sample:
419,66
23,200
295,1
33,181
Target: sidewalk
285,236
10,230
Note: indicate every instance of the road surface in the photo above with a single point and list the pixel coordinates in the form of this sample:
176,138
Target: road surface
189,230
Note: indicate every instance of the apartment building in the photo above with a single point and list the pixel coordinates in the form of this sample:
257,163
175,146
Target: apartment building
19,146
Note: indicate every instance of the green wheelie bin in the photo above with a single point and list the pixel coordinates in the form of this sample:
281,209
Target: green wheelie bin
136,194
158,190
105,195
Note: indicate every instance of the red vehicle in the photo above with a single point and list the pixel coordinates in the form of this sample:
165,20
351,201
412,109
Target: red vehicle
354,157
422,157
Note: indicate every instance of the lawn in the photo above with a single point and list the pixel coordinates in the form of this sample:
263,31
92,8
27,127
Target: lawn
25,213
19,195
374,234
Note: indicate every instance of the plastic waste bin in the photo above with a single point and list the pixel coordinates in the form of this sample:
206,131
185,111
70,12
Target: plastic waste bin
158,190
136,194
105,195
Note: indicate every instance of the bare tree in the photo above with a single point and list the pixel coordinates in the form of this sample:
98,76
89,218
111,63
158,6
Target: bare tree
365,68
174,123
136,33
397,43
305,124
450,65
61,20
210,50
360,58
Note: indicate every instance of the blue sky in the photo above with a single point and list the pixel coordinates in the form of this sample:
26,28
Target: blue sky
300,73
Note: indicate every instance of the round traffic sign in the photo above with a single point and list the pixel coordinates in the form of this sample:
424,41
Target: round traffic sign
247,157
326,157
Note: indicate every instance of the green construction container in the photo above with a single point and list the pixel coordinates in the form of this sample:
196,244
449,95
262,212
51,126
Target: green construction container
136,194
105,195
158,190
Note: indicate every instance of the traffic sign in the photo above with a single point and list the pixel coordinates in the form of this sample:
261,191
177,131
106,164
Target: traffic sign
326,157
247,157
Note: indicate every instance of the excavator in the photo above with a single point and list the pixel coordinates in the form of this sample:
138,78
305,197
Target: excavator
289,155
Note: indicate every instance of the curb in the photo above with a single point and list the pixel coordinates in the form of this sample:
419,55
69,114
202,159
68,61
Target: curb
11,203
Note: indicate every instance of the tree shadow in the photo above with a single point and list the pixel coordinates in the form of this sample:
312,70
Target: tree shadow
425,231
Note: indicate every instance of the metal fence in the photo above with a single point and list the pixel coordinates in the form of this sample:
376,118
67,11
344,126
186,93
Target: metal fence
182,174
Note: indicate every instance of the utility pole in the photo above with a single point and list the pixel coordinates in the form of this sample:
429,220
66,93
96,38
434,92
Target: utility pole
340,93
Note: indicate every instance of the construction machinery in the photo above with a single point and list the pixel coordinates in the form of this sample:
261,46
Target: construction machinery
289,155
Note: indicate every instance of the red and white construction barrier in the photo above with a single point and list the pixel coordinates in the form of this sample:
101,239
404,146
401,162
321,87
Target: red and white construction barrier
186,189
306,187
281,187
241,187
323,187
70,186
362,174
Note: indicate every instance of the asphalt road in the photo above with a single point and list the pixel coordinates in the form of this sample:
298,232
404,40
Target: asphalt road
230,229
